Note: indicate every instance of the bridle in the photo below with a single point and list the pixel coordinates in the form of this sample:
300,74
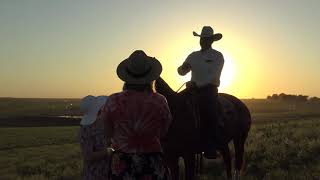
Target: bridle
181,87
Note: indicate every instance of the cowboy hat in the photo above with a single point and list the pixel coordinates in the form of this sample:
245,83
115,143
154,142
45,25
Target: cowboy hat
139,68
207,31
90,106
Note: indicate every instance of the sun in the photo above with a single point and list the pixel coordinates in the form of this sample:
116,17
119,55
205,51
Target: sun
228,72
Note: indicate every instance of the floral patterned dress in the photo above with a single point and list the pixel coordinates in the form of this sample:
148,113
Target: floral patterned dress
92,139
138,166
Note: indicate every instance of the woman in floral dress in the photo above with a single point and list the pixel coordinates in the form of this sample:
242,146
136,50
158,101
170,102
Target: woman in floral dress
136,119
92,140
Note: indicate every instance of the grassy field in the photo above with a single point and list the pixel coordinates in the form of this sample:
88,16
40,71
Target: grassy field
275,150
15,107
285,150
39,153
281,145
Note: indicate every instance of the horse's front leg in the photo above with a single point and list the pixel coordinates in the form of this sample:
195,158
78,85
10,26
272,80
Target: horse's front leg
189,160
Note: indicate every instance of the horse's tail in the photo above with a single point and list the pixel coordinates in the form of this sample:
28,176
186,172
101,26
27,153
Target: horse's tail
244,124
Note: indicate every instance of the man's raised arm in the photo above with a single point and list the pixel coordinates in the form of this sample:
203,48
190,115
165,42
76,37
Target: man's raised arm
184,69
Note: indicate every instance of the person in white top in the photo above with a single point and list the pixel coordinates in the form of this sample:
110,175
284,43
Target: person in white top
206,66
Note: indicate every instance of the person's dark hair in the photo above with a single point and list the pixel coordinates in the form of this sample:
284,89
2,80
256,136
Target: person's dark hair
139,87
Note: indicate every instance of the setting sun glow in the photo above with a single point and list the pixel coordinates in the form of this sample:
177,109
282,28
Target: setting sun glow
228,72
65,49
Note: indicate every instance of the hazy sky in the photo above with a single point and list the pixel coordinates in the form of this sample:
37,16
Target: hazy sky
71,48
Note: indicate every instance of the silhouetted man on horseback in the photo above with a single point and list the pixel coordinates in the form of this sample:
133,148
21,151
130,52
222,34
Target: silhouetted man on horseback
206,66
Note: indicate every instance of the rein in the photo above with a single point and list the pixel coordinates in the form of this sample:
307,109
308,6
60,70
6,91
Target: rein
181,87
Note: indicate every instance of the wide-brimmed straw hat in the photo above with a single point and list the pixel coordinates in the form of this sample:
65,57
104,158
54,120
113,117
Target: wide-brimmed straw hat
139,68
90,106
207,31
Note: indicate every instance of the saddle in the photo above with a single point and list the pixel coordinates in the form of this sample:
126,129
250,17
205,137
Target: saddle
191,92
225,108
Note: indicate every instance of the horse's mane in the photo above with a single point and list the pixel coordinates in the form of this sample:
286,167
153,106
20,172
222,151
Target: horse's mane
163,88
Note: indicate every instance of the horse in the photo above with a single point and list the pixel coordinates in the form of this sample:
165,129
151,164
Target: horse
182,139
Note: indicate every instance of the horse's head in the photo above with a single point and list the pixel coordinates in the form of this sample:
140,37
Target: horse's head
175,100
182,114
163,88
182,128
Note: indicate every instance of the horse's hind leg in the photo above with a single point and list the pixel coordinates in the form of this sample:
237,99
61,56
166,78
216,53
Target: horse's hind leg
225,152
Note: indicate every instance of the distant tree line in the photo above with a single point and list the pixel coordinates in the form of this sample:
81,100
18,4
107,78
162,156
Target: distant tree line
293,98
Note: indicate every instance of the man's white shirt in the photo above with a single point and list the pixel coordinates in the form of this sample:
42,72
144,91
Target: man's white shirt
206,67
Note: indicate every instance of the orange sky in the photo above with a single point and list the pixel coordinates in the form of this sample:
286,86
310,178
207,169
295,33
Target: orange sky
71,49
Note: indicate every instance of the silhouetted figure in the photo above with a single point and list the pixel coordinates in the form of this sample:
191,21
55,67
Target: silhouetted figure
205,66
136,119
92,139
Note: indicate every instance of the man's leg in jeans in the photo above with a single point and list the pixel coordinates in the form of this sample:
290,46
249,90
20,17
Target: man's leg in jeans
208,118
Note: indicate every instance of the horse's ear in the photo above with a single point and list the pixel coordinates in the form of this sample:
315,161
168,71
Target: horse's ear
157,84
